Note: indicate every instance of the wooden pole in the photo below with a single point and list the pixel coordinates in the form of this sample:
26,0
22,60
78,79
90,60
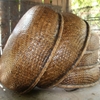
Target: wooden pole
54,2
59,2
14,14
47,1
66,4
4,17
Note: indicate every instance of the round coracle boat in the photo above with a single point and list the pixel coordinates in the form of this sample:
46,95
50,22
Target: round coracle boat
47,49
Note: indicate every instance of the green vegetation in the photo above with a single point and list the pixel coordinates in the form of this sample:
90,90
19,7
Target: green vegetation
83,3
90,7
88,10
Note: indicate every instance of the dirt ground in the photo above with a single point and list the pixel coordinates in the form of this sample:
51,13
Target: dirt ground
91,93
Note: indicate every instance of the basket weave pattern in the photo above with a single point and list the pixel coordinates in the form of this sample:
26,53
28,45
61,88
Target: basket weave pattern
43,48
87,71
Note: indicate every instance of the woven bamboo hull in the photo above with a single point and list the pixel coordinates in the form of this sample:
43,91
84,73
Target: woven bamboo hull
87,71
28,48
65,56
80,78
40,52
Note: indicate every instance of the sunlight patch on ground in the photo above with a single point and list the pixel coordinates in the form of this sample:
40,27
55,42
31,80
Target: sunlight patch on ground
1,86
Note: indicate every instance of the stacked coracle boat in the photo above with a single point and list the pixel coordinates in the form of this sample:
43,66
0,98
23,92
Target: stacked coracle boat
87,71
49,49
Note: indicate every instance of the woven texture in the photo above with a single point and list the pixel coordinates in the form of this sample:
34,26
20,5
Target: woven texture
82,76
87,71
93,42
73,36
89,59
43,48
91,55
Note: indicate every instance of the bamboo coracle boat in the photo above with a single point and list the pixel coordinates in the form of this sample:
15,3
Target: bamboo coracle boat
48,49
